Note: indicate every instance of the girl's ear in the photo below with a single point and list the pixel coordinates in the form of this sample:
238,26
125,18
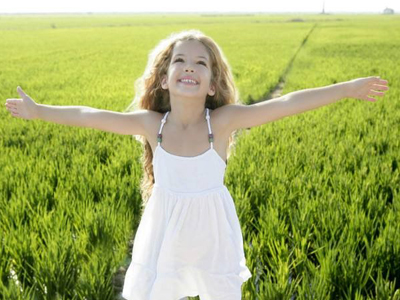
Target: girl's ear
211,91
164,84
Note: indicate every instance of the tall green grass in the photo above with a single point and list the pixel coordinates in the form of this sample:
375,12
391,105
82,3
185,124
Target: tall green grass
317,194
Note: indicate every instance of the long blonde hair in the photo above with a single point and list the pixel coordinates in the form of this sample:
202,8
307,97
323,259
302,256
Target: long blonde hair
151,96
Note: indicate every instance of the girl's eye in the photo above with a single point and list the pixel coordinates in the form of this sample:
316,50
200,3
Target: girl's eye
180,59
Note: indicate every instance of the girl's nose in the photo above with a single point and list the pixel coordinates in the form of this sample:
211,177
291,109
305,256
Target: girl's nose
189,67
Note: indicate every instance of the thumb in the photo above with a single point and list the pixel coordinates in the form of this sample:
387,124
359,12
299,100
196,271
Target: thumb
21,92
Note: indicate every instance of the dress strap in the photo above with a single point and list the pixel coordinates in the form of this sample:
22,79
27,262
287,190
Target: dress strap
164,119
210,134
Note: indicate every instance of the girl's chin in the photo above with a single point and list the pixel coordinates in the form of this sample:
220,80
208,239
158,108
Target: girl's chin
187,84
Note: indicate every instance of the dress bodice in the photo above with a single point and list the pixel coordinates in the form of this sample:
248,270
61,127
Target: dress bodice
188,174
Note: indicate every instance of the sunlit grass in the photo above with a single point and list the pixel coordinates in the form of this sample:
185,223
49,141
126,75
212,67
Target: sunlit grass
317,194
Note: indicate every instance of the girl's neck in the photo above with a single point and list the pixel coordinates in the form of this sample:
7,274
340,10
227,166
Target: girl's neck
185,118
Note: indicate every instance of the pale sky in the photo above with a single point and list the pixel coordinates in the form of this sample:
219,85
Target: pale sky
134,6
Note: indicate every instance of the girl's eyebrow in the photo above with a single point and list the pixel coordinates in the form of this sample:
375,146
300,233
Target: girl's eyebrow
184,55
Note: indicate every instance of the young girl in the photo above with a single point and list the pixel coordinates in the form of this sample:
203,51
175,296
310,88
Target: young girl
189,240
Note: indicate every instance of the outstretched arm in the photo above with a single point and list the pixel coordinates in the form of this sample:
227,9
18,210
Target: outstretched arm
247,116
360,88
130,123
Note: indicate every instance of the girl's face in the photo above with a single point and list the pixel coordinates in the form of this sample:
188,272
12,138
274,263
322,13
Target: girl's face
189,59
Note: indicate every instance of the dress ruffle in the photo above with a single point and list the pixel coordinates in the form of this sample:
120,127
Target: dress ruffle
187,281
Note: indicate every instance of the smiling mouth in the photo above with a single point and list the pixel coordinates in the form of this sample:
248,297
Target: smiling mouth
187,82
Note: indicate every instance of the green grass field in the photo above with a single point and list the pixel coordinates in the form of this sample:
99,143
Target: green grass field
317,194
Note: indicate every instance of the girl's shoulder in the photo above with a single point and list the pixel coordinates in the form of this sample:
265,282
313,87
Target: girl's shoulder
222,118
153,120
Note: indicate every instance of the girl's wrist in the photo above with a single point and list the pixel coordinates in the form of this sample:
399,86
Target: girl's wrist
36,111
346,89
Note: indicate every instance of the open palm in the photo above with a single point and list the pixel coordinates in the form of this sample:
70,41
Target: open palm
24,108
363,88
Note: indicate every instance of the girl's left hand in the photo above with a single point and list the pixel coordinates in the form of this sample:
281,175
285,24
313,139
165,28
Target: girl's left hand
361,88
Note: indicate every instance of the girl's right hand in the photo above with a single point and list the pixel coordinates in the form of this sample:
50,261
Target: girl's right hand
24,108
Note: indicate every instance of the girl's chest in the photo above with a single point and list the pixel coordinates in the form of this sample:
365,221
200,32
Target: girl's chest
189,142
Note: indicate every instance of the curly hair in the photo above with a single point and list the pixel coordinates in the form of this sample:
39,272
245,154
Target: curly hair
151,96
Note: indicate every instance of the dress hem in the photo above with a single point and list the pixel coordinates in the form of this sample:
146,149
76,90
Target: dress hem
142,283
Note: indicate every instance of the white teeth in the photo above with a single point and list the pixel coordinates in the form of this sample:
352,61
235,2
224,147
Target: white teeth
188,81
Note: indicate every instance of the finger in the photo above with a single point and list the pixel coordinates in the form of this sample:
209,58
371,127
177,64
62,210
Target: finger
376,93
378,87
383,81
21,92
370,99
379,82
376,80
12,108
10,102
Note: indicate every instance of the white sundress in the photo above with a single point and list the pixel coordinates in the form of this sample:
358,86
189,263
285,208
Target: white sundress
189,240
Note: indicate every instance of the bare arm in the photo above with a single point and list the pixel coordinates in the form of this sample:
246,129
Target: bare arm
131,123
247,116
66,115
309,99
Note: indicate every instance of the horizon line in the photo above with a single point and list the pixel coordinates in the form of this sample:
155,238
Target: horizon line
200,12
